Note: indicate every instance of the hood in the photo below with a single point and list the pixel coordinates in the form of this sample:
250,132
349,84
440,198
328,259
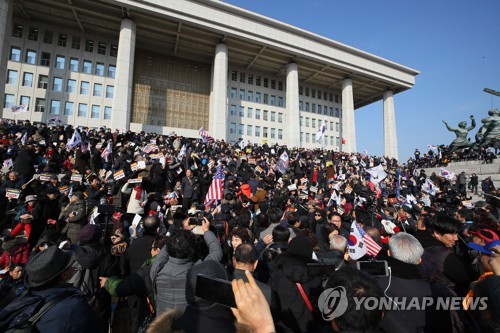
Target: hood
246,190
88,255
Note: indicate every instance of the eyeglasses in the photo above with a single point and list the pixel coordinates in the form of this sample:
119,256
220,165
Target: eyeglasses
116,235
317,214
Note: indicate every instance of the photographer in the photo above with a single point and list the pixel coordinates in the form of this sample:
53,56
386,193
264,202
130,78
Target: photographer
175,259
74,216
95,191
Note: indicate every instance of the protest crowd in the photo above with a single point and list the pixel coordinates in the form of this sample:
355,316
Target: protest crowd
439,156
119,231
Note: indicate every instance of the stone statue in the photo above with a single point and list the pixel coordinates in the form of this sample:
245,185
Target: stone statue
461,132
490,131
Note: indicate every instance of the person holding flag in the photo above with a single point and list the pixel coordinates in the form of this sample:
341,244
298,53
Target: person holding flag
216,189
107,152
205,136
321,133
75,140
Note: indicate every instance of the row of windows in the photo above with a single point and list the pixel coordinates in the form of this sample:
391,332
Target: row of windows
274,84
266,131
257,80
306,91
258,113
57,84
311,138
63,40
258,98
319,109
319,121
55,107
60,62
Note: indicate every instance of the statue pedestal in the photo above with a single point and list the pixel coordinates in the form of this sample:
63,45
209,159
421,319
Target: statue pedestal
481,169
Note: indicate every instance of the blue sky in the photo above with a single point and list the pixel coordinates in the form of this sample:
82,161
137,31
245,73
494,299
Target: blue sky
454,44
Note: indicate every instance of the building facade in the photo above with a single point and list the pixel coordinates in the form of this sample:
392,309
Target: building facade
179,65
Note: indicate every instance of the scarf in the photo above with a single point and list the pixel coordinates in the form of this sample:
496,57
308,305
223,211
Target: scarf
138,192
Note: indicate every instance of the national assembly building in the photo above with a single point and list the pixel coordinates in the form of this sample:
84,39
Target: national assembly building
178,65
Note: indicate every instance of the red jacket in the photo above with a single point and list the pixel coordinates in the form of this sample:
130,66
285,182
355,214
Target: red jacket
18,256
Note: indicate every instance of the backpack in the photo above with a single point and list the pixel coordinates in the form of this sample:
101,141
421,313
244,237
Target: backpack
26,317
85,281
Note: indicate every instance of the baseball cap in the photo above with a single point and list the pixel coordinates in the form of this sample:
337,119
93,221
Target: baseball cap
484,249
486,234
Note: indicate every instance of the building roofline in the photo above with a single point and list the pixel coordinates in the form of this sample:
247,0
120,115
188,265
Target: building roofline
305,33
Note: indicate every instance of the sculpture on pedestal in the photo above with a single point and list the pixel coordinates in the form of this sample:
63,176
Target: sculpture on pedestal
485,137
461,132
490,131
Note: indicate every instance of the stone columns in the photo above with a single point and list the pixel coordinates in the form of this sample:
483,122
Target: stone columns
390,136
218,99
122,99
292,106
348,124
5,33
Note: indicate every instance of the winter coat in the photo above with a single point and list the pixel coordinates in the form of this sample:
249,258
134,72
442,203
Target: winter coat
239,274
134,205
450,271
10,184
100,262
260,196
93,197
24,163
290,311
19,255
75,223
190,187
406,282
138,252
72,314
169,275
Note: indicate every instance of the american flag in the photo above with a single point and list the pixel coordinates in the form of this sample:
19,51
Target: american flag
204,135
371,246
216,189
106,152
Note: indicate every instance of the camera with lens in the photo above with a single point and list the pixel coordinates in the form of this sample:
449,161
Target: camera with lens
195,220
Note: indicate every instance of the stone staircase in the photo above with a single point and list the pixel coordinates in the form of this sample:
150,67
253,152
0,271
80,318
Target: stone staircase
481,169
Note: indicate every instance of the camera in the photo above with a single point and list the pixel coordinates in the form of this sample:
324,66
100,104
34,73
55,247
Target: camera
196,221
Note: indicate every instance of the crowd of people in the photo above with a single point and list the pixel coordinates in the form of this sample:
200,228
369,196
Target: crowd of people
110,230
439,156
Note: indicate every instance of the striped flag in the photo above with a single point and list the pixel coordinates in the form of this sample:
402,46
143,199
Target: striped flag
106,152
372,248
19,108
216,189
205,136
